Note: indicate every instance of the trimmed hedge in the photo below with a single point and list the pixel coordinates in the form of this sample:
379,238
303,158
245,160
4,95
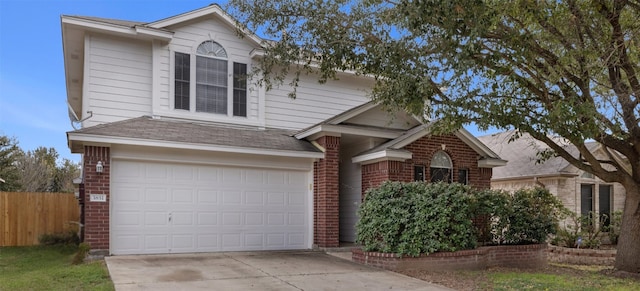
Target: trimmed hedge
415,218
419,218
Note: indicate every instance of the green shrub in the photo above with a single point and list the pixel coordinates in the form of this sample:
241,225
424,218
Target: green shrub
487,206
567,235
415,218
613,229
418,218
531,216
588,229
81,254
65,238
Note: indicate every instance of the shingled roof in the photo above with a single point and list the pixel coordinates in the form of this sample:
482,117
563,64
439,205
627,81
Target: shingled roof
148,128
521,154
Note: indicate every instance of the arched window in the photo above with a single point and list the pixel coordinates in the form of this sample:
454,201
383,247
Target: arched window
213,89
441,167
211,78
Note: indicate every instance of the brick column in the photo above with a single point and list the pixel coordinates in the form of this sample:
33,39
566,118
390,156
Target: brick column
96,214
326,198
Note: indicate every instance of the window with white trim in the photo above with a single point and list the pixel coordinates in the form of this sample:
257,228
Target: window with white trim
441,167
213,91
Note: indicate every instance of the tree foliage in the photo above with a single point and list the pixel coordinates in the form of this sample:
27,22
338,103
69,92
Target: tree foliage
9,151
34,171
548,68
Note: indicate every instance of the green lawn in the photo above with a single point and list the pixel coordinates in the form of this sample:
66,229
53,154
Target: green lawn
49,268
579,278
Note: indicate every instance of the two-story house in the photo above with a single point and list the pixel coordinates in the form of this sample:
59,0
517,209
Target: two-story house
182,152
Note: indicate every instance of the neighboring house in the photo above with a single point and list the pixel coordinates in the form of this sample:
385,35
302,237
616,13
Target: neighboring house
182,154
579,191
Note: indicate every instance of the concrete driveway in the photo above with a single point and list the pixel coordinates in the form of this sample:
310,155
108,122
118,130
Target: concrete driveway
300,270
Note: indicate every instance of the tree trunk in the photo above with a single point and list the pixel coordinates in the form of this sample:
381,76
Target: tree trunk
628,256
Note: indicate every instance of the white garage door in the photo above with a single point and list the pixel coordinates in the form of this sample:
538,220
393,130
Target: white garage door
177,208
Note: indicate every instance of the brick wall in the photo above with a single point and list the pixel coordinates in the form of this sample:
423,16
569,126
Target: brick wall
462,156
581,256
96,214
326,198
520,256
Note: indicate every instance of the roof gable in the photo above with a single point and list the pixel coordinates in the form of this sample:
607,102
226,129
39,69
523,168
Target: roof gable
368,119
522,156
213,10
489,158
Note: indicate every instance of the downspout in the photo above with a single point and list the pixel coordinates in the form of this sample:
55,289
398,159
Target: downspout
538,183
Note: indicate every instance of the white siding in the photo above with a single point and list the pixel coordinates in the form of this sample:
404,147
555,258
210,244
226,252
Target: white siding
314,102
117,78
127,78
382,118
186,39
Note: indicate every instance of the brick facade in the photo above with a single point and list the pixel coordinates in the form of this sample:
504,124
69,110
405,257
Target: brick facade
462,156
96,214
326,197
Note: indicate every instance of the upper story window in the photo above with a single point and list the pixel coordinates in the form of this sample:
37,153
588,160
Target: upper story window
213,91
441,167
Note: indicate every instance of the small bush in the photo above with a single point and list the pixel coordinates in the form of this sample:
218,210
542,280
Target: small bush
81,254
585,231
487,207
65,238
530,217
613,229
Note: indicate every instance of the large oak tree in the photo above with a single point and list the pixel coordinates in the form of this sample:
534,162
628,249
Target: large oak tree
547,68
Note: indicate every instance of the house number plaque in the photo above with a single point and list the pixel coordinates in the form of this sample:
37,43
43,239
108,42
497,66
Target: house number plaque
98,197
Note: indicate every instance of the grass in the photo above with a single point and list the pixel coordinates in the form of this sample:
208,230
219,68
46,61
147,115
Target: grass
552,277
524,281
50,268
570,277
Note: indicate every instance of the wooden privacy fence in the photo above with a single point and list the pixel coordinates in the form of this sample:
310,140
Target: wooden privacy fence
24,216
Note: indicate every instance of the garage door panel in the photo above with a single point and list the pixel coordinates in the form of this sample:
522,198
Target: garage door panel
161,207
254,219
276,198
156,243
181,218
207,218
232,177
208,242
182,195
156,195
296,218
182,242
124,218
207,196
231,198
296,239
296,198
254,198
275,219
155,218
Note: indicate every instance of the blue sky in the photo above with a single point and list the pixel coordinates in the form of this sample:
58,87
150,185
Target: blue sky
33,105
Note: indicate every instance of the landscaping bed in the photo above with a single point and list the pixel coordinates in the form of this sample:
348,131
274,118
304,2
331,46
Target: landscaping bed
518,256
